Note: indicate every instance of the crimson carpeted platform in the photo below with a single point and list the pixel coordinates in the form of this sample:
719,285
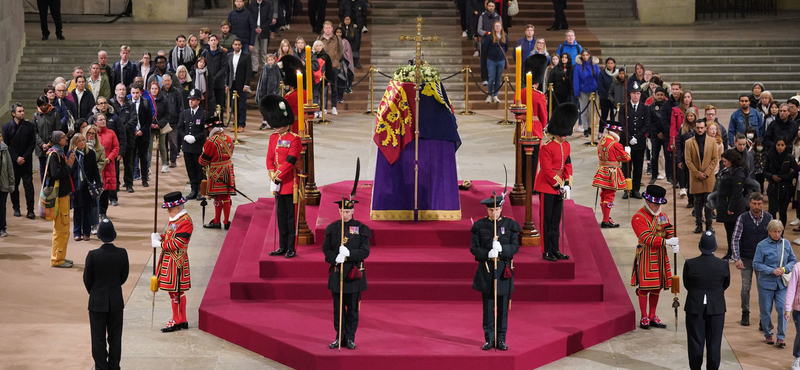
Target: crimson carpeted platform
420,310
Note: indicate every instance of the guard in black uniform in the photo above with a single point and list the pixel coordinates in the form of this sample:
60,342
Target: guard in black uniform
484,248
191,129
634,137
355,249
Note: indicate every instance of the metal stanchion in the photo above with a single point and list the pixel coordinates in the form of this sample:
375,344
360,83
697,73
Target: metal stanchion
505,120
236,140
591,120
228,107
282,88
322,120
466,111
370,110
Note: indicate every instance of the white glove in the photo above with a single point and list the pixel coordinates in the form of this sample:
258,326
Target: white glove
633,140
155,240
675,249
567,191
189,139
274,188
493,253
628,150
496,246
340,258
344,251
673,241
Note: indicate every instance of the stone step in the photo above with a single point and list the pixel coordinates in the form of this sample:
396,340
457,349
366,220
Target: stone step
702,59
696,43
434,60
703,50
730,77
724,68
113,51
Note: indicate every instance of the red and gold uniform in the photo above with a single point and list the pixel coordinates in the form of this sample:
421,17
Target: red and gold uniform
651,267
173,268
554,173
291,97
217,153
609,176
282,156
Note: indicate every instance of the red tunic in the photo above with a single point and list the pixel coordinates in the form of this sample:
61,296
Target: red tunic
555,167
651,267
174,259
217,153
282,156
609,175
291,97
539,111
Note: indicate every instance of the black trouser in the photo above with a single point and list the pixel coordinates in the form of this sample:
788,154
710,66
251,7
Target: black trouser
484,54
350,315
285,215
3,198
729,226
43,166
760,180
778,207
462,11
700,209
316,14
142,149
606,113
472,25
637,162
127,162
488,317
55,11
104,324
704,330
113,196
534,165
105,196
23,172
551,206
174,145
658,144
220,98
193,170
241,106
560,18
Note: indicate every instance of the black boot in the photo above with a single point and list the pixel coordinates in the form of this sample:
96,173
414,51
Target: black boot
278,252
745,318
357,63
698,229
624,195
549,256
560,255
487,346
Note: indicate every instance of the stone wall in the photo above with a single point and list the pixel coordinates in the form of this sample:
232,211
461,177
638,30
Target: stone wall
83,6
651,12
152,11
12,28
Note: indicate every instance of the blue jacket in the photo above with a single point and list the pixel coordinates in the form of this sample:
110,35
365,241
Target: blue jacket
573,50
527,47
584,78
242,26
738,126
604,81
767,259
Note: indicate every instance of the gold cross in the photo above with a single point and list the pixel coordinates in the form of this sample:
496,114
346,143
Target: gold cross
418,39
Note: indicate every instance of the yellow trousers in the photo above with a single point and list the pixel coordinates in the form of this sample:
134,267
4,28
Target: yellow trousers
60,232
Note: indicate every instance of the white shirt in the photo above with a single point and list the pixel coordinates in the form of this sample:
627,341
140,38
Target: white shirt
236,63
138,124
194,110
79,94
635,105
258,21
94,85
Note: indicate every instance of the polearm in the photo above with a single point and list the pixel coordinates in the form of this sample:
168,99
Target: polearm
154,279
629,179
494,271
675,286
341,276
235,189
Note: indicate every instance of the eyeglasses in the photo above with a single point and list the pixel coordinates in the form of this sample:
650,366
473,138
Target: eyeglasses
102,103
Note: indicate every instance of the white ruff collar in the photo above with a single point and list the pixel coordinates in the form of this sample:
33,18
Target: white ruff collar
181,213
656,213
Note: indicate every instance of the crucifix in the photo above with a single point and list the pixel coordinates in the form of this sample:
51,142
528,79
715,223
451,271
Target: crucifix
418,39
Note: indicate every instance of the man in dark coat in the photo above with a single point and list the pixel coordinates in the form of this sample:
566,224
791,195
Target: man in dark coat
635,130
346,256
174,99
239,74
261,13
124,70
750,229
494,237
126,117
781,128
705,278
20,136
105,272
659,135
242,25
217,62
316,14
193,134
141,133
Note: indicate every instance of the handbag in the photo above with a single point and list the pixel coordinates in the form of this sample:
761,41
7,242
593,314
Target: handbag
787,276
166,129
93,191
513,7
48,205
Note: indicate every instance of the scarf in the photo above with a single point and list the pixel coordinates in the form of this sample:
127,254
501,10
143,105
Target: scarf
47,108
188,54
58,149
200,79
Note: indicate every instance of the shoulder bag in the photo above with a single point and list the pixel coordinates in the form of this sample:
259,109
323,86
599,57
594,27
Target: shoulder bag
513,7
787,276
48,195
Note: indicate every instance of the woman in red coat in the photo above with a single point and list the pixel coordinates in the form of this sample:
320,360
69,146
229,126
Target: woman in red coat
111,145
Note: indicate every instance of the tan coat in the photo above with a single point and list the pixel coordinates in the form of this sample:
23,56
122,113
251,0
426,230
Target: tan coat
697,184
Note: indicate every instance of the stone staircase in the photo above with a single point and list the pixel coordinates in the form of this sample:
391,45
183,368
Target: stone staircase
716,71
609,13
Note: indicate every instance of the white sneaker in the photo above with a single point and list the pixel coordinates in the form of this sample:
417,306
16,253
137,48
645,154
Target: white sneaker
476,54
496,99
164,168
580,129
795,222
488,99
326,111
796,241
485,83
288,27
94,230
463,33
796,363
334,111
683,193
316,115
364,30
660,177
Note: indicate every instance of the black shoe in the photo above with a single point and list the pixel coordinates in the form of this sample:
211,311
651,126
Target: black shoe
213,225
693,214
690,205
554,28
145,184
173,165
227,225
31,215
709,228
291,254
358,64
200,197
351,344
278,252
502,346
745,319
114,202
334,345
263,126
636,195
624,195
656,323
192,194
560,255
184,325
698,229
609,225
45,37
487,346
652,181
103,217
129,189
170,329
549,256
17,213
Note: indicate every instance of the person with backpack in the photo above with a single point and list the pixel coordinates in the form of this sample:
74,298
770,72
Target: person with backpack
584,81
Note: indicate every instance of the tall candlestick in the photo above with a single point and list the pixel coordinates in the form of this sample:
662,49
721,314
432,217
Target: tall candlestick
529,105
518,76
308,73
301,119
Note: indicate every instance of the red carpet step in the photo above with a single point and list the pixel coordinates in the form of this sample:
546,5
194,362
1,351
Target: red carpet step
420,310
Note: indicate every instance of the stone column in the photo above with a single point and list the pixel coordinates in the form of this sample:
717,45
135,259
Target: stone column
12,27
653,12
150,11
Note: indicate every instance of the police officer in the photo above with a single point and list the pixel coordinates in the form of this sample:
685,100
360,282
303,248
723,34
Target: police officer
494,236
634,137
346,255
191,129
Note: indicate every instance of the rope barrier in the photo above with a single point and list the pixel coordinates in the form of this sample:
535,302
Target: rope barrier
475,81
